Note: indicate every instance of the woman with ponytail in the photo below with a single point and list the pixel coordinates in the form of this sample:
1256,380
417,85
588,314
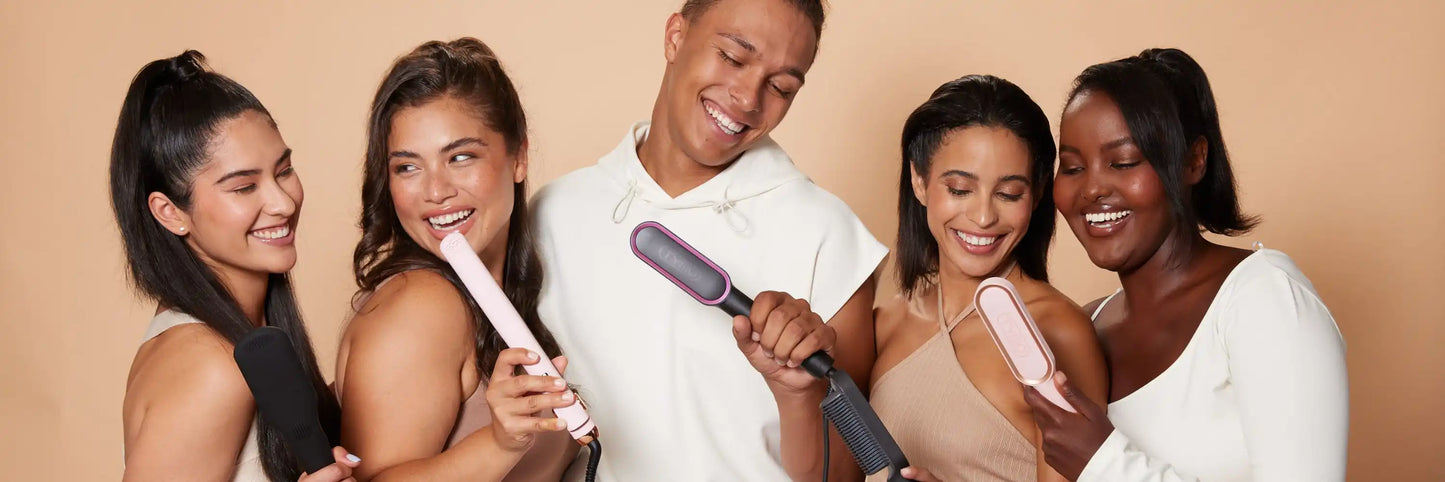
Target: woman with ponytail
207,203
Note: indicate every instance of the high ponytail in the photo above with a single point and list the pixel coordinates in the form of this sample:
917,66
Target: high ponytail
170,115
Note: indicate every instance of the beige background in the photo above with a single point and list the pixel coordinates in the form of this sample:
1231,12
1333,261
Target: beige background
1332,112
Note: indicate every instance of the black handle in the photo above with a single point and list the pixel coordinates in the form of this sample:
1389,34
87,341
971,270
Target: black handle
314,451
737,304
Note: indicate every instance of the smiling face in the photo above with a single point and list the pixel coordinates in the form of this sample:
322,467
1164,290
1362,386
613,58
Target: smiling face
979,199
450,172
245,200
1106,190
731,76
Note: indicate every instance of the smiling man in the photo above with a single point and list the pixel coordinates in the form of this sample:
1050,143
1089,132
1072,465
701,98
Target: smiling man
672,394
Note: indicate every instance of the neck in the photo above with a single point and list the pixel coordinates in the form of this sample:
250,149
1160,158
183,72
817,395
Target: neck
957,287
248,288
664,161
1168,271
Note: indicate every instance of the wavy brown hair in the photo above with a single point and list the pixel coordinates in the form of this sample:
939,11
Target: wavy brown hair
467,70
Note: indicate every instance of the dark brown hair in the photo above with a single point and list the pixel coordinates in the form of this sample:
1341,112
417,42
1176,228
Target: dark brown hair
464,69
974,100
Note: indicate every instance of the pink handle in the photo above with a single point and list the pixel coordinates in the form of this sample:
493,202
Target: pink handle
507,322
1018,338
1051,392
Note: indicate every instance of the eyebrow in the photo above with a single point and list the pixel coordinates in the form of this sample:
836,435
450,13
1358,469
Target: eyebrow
234,174
746,45
252,172
1016,177
452,145
1122,141
1114,144
753,49
1010,177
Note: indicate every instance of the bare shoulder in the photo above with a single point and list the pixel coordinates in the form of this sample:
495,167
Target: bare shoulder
1057,316
417,317
189,365
414,303
888,316
186,396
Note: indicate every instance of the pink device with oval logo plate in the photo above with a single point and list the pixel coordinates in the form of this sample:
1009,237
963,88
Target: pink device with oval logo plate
1018,337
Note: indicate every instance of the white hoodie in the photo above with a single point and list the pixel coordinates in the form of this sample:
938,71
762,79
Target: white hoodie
673,397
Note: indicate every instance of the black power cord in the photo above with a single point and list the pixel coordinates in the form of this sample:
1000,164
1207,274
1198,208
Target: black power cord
594,456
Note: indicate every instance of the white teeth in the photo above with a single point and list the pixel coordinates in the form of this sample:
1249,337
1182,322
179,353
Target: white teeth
975,240
440,222
1106,217
726,123
273,233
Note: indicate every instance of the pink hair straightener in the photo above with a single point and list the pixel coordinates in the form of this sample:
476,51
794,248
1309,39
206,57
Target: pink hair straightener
508,323
1017,336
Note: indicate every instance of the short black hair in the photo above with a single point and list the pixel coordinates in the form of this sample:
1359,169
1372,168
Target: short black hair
1166,100
815,10
974,100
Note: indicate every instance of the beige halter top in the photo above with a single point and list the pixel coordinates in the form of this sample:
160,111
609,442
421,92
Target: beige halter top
942,422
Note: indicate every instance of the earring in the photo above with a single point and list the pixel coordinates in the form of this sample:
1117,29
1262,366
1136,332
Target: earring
183,229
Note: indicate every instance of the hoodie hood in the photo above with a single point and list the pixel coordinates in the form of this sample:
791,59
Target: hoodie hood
760,169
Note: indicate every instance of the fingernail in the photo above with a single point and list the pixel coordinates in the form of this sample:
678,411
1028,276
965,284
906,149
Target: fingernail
353,458
792,364
756,336
780,361
768,354
531,356
1062,378
559,423
567,396
559,383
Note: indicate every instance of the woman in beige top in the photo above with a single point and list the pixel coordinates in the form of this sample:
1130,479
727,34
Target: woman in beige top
427,390
207,203
974,202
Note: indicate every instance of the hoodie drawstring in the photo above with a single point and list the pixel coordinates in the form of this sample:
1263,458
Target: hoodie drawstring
727,207
736,219
619,212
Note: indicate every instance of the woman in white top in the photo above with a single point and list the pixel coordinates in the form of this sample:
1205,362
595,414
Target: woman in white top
1224,363
207,202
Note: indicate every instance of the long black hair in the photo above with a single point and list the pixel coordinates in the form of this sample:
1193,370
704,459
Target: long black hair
974,100
170,116
1168,105
467,70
